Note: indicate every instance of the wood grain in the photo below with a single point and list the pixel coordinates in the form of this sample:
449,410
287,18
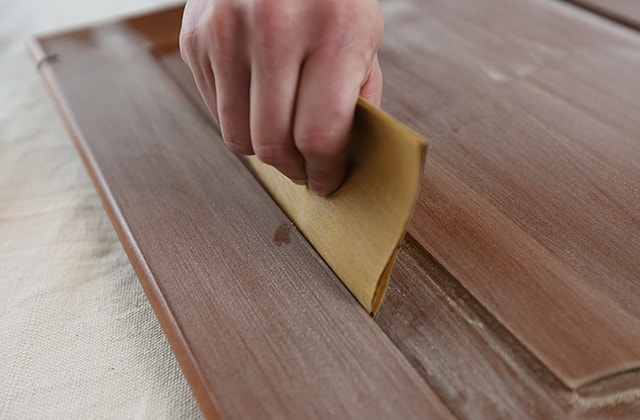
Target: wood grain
523,270
626,12
471,361
475,365
530,197
259,324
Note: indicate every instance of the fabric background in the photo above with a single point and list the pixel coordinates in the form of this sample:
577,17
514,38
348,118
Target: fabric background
78,338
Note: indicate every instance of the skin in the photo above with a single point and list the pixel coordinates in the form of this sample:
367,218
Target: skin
282,78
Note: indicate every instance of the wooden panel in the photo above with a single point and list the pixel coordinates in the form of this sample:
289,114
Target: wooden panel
530,198
260,325
626,12
475,365
530,203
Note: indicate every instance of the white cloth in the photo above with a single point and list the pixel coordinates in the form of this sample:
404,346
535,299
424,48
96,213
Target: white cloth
78,338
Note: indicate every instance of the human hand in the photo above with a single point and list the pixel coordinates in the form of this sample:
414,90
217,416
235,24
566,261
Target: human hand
282,78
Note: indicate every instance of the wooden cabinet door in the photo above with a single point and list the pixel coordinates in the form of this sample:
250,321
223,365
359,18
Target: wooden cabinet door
515,293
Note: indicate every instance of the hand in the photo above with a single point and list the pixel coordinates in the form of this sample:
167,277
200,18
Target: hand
282,78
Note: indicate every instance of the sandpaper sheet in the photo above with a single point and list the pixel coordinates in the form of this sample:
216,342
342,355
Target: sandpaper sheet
358,229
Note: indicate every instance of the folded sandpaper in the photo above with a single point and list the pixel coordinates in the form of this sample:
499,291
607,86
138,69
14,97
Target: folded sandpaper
358,229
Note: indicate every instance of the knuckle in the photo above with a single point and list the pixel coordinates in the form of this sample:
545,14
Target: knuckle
270,13
188,42
341,16
273,23
221,27
238,146
216,30
348,28
336,11
321,142
275,155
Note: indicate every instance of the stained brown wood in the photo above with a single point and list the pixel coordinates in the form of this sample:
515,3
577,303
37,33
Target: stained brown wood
473,363
530,198
260,325
626,12
529,210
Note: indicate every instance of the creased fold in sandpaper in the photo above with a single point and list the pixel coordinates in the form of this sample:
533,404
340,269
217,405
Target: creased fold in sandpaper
357,230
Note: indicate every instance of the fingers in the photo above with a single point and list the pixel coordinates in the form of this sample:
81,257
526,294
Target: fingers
341,63
225,31
282,78
274,81
210,37
196,55
206,84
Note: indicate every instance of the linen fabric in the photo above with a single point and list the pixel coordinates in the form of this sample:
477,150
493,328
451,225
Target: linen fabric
78,336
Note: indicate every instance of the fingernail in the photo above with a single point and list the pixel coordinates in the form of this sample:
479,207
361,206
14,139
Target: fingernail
299,181
319,189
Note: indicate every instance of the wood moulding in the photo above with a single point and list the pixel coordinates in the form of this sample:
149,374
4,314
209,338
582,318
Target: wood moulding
625,12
